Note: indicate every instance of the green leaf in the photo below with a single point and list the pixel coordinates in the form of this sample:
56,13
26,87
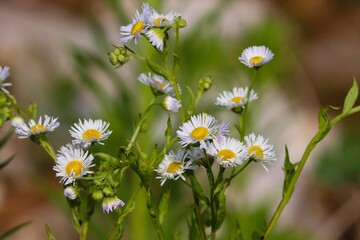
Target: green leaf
238,233
259,233
289,171
221,209
33,108
194,231
13,230
351,98
324,124
7,161
168,131
49,233
164,205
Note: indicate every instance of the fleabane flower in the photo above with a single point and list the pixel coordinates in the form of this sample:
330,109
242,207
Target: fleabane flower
235,99
90,131
259,149
17,121
171,104
198,129
228,152
158,84
137,26
256,56
110,204
223,131
163,20
157,37
33,128
71,192
72,163
173,166
4,74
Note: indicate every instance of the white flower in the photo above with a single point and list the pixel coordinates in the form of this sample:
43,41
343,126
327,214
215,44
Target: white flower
161,20
17,121
157,83
89,132
33,128
171,104
223,131
229,152
236,99
256,56
259,150
110,204
157,37
4,73
72,163
173,166
70,192
137,26
198,129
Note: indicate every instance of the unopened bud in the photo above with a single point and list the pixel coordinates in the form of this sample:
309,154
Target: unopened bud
204,83
97,195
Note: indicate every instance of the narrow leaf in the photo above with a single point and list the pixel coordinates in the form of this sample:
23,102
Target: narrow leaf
351,97
289,171
323,118
164,205
13,230
221,209
7,161
49,233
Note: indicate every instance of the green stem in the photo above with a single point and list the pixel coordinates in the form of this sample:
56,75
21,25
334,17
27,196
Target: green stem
138,127
154,214
44,143
84,230
243,167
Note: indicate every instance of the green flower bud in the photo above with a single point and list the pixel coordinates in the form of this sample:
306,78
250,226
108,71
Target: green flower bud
180,22
205,83
97,195
108,191
122,58
118,56
113,58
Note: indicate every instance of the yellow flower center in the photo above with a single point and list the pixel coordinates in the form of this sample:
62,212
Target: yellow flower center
237,99
256,60
173,167
259,154
159,20
37,127
137,28
226,154
74,167
200,133
91,134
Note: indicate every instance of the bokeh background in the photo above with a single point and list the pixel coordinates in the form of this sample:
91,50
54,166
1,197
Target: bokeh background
57,53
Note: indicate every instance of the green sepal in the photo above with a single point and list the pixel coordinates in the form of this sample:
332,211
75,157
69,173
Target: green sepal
13,230
164,205
289,171
351,98
49,233
33,108
238,232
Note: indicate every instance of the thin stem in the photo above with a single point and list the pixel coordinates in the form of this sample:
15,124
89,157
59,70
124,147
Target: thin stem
244,166
138,127
84,230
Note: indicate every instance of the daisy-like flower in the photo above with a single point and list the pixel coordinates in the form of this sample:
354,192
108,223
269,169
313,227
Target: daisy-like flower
198,129
110,204
137,26
161,20
171,104
259,149
4,74
229,152
256,56
158,84
157,37
89,132
32,128
17,121
236,99
72,163
223,131
173,166
70,192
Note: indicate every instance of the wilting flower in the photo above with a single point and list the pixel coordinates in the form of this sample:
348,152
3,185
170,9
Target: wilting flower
259,150
198,129
72,163
32,128
4,73
171,104
110,204
137,26
236,99
229,152
256,56
173,166
158,84
89,132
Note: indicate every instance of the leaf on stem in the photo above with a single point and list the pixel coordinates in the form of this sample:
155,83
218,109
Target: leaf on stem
49,233
13,230
324,123
351,98
191,105
289,171
164,205
220,209
7,161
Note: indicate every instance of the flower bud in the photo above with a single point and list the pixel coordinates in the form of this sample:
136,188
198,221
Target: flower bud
17,121
71,192
97,195
204,83
180,22
171,104
118,57
108,191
